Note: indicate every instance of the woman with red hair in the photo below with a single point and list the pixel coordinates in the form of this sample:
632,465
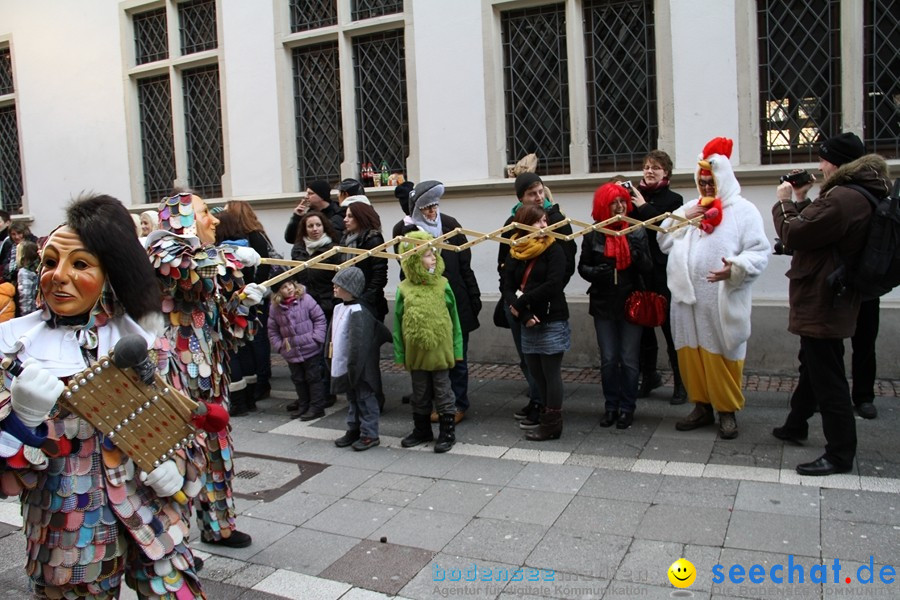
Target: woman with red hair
612,265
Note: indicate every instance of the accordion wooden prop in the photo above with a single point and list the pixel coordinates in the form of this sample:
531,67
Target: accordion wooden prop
149,423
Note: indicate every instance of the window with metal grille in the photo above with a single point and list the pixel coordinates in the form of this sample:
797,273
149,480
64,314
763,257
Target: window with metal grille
621,83
799,77
381,111
536,86
197,26
367,9
6,78
151,42
203,129
317,110
312,14
881,83
157,137
10,167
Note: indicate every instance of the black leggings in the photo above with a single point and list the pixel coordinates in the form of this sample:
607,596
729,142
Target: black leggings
547,372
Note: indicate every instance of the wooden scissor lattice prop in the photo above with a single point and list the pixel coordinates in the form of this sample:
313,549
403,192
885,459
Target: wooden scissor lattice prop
385,250
149,423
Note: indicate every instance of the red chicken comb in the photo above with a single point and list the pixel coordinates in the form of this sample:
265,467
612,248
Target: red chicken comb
719,145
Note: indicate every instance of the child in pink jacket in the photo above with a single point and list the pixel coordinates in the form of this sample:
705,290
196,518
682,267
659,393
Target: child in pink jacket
297,331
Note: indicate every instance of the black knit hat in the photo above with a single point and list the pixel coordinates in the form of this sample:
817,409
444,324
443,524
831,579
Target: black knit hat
401,192
351,187
321,188
841,149
525,181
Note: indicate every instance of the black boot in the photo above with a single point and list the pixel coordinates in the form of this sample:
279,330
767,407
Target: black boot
550,427
447,435
649,382
238,406
251,397
679,394
421,433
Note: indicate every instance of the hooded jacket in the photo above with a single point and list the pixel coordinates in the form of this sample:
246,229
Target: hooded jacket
820,233
297,330
427,333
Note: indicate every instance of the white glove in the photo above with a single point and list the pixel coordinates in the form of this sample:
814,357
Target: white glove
34,393
253,294
248,256
165,479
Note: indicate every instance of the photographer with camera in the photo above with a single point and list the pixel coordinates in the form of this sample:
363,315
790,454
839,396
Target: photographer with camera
820,234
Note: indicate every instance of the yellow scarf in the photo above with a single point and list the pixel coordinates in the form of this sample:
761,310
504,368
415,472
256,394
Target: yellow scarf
530,248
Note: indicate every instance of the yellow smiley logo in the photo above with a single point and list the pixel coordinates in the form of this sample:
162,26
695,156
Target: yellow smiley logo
682,573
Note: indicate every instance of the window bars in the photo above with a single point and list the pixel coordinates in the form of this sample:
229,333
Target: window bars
381,110
312,14
6,78
151,42
799,77
197,26
881,84
10,167
620,52
317,113
367,9
536,86
157,149
203,124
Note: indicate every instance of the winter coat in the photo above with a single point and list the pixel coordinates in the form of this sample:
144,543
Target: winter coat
554,215
427,332
297,330
820,233
7,301
27,284
259,242
658,201
374,269
364,335
544,296
610,288
334,213
457,270
317,281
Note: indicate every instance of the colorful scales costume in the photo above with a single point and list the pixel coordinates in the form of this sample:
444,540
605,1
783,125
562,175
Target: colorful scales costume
206,319
88,518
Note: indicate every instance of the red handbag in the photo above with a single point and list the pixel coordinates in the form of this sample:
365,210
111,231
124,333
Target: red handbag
644,308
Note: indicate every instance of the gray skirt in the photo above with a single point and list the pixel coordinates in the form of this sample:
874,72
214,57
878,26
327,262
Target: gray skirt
546,338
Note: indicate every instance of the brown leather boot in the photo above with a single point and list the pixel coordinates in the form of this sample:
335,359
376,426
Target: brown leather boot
728,429
701,416
550,427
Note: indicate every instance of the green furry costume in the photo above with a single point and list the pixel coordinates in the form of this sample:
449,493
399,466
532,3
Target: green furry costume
427,335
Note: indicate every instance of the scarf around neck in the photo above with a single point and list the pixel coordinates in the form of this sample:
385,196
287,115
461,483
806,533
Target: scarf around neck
530,248
432,227
616,246
645,187
313,245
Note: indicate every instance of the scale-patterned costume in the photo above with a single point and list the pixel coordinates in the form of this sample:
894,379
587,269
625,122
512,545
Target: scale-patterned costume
88,520
205,321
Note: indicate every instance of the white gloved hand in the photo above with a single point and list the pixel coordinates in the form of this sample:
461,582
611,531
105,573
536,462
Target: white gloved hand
165,479
248,256
34,393
253,294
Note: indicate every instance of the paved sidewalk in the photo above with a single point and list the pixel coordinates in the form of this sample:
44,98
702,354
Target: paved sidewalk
600,513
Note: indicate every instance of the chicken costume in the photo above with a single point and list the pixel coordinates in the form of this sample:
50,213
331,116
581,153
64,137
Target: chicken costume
201,301
711,321
89,517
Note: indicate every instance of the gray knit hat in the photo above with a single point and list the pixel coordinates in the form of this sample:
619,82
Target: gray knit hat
352,280
427,193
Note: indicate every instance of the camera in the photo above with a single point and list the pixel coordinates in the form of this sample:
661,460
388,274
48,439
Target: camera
779,248
797,178
627,185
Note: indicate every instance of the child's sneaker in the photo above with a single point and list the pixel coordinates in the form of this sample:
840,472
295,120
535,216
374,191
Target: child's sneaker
347,439
365,443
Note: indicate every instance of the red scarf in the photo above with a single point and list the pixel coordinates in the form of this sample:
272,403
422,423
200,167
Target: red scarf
617,246
645,187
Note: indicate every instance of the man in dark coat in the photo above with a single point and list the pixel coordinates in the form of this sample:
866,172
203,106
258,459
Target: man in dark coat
422,208
820,233
318,197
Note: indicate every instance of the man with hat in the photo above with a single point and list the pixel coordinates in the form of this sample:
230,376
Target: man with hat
819,233
530,190
318,197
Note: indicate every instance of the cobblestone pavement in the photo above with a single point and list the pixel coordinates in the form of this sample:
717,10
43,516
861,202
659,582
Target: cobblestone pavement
599,513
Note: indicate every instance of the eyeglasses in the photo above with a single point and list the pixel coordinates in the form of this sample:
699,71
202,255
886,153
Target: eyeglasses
706,182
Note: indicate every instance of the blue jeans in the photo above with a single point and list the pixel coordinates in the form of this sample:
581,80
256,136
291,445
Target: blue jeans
362,410
516,327
459,377
620,351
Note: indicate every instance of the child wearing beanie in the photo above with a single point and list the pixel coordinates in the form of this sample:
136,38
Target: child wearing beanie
428,342
352,347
